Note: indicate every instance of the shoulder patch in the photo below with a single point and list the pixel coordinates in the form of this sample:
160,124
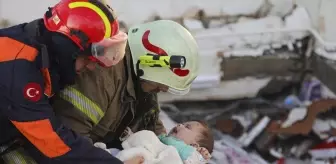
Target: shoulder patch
32,92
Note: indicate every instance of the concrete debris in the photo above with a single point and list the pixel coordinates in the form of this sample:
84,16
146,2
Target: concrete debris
236,7
281,7
294,129
248,36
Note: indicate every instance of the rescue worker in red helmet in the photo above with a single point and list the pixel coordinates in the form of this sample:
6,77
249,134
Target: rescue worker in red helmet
39,58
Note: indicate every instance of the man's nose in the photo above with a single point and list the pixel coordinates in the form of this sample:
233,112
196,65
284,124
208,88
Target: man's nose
91,65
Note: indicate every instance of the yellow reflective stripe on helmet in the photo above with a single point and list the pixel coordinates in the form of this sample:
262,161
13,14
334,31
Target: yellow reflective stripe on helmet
17,157
96,9
82,103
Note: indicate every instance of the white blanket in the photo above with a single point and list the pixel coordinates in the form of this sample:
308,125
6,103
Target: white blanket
145,143
148,145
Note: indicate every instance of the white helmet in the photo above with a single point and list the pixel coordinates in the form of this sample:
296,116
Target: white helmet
165,38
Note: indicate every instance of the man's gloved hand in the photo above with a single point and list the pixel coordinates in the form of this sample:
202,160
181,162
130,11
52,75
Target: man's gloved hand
127,133
135,160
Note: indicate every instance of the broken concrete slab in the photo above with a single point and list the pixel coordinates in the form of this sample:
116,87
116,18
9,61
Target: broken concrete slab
238,67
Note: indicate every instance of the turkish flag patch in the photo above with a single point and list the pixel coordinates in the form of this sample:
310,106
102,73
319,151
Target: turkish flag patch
32,92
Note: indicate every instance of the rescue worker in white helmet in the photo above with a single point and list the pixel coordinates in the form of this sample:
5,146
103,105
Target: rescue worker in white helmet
160,56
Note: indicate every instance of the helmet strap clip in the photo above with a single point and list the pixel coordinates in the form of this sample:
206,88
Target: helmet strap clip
140,72
81,36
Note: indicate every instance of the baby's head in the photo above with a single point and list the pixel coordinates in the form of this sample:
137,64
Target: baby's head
194,133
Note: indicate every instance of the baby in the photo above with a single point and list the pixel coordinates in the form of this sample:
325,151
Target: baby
187,143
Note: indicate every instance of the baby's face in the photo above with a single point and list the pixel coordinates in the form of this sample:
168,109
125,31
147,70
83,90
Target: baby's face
189,132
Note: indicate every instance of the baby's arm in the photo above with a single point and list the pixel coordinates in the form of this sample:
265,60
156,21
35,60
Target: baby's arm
142,143
133,152
146,139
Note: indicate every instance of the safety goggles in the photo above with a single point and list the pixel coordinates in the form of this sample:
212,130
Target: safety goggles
109,51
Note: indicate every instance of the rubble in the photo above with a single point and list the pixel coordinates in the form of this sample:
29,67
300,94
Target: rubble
281,7
293,129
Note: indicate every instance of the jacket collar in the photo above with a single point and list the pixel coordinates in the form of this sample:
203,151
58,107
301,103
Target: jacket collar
130,73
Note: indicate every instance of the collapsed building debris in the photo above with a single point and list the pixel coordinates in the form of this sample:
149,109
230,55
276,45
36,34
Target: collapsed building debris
256,131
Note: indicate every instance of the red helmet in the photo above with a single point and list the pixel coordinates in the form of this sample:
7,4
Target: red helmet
83,21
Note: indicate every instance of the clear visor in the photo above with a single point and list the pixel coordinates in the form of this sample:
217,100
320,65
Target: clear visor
110,51
179,92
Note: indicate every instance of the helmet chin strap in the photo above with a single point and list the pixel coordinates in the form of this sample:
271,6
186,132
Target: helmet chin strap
142,117
34,30
139,73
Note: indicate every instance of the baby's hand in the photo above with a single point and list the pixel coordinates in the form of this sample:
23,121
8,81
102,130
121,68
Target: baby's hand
204,152
135,160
